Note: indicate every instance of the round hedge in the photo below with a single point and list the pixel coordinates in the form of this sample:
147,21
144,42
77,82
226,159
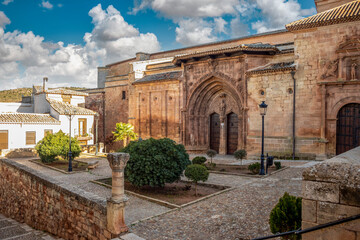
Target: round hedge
154,162
196,173
199,160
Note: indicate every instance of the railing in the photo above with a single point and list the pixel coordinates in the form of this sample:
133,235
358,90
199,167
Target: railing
299,232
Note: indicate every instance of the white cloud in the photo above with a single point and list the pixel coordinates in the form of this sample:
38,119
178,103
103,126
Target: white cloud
25,58
238,29
277,13
46,4
194,31
189,8
4,20
220,25
6,2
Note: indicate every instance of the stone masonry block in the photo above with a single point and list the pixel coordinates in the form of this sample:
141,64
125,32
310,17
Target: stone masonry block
320,191
350,196
334,233
308,211
327,212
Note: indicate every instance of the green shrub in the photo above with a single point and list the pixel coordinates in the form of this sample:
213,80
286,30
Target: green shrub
254,168
199,160
277,165
55,145
154,162
211,153
286,216
240,154
196,173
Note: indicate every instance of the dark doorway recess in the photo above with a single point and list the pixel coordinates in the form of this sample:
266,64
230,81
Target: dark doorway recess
232,132
348,128
215,131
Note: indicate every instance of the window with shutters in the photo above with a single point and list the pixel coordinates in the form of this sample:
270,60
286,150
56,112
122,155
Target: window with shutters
4,139
82,127
30,138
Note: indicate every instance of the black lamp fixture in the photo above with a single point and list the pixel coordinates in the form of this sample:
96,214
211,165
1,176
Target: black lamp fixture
263,108
70,115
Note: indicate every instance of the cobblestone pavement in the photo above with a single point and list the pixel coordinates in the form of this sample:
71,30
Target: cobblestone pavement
11,229
242,213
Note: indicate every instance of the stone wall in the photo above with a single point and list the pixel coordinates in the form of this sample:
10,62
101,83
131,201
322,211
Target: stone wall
320,66
96,102
330,192
48,205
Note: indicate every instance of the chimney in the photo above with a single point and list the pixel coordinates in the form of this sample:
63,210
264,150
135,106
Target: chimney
45,79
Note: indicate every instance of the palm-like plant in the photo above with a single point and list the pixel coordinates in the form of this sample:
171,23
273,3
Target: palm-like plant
123,131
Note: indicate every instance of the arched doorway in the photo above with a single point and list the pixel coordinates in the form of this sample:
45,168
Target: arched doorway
215,131
348,128
232,132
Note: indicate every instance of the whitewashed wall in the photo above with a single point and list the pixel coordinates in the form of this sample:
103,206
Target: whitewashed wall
140,67
75,125
16,107
17,133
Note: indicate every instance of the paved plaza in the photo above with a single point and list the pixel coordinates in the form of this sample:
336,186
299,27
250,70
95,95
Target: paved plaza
241,213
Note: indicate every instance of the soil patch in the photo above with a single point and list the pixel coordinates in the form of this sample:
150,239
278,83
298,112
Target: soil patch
177,193
63,165
236,169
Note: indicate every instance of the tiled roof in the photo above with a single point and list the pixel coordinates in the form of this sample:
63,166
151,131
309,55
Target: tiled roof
64,91
257,47
345,13
65,108
160,77
273,67
67,91
32,118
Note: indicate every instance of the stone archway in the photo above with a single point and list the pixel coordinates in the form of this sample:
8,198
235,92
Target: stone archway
348,128
212,98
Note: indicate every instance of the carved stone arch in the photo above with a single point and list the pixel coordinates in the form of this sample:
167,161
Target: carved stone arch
335,109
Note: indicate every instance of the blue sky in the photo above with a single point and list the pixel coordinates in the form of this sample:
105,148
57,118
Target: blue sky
67,39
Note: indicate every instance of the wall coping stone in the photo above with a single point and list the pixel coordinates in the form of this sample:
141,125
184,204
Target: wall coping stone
89,199
343,169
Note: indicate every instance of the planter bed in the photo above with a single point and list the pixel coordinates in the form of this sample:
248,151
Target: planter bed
62,165
173,195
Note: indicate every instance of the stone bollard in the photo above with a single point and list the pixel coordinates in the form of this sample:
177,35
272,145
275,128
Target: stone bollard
116,204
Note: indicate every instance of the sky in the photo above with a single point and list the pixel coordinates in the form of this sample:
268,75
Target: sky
66,40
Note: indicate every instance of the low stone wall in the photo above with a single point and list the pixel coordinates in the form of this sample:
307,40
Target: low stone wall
18,153
331,191
48,205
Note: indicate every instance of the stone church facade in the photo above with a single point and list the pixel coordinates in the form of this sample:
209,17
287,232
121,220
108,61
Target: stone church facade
208,96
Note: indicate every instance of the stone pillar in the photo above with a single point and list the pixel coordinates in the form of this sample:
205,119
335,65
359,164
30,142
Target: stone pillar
116,204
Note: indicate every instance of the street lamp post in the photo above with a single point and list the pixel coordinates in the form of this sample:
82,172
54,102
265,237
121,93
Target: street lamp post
70,116
263,108
96,132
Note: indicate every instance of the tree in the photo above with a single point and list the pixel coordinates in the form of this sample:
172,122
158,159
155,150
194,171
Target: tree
196,173
286,216
123,131
199,160
154,162
240,154
211,153
55,145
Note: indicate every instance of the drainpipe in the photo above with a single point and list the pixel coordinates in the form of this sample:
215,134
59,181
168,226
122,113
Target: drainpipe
293,120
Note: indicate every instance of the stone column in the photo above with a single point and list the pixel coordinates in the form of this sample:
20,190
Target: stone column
116,204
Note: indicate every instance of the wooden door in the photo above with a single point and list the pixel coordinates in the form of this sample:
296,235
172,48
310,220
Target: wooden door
232,133
4,139
348,128
215,131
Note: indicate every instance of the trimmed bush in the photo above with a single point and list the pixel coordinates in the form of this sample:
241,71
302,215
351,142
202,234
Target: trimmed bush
277,165
240,154
199,160
154,162
254,168
196,173
211,153
55,145
286,216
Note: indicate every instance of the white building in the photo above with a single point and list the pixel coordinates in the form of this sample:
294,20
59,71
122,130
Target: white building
22,125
